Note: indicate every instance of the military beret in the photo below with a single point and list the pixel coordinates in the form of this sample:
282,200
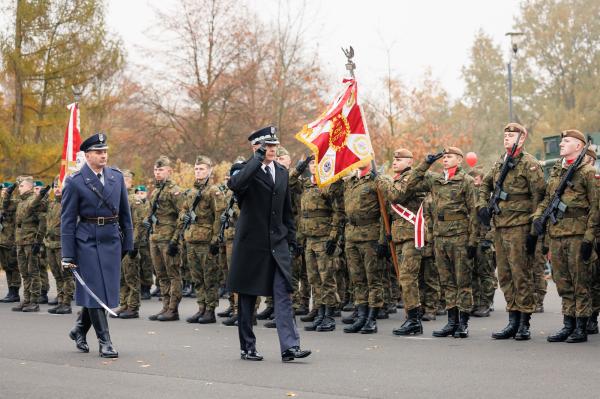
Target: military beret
453,150
402,153
7,184
515,127
267,134
127,173
141,188
591,151
38,183
576,134
203,160
95,142
162,161
21,179
281,151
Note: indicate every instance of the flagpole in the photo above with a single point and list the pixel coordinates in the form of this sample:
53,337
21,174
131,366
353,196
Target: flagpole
351,66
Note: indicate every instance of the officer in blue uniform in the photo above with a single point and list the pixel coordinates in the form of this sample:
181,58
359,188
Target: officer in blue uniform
96,231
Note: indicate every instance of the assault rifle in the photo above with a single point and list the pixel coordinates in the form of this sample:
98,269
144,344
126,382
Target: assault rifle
225,218
191,213
152,219
556,208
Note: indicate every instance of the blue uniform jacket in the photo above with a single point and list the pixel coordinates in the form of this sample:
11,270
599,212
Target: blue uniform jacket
96,249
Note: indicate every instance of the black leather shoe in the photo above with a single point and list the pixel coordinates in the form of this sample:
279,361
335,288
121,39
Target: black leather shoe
564,333
79,332
523,334
514,319
450,327
100,323
294,353
580,332
265,314
54,309
412,325
251,355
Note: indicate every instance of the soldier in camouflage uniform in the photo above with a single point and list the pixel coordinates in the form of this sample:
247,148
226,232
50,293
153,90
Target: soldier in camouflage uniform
8,249
484,268
572,238
146,276
321,216
65,285
28,238
429,278
164,244
455,234
365,243
403,209
592,326
515,246
201,238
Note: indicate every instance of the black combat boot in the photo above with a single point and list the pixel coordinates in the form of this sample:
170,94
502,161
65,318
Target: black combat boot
79,332
450,327
514,319
370,326
43,297
328,323
227,312
265,314
301,311
11,296
580,332
523,333
359,322
317,321
348,307
20,306
310,317
382,313
412,325
129,314
592,327
463,325
100,323
232,321
562,334
351,318
208,317
145,293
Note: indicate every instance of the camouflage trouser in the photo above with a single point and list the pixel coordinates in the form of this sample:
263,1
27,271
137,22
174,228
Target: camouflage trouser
186,272
44,278
366,273
515,272
386,279
130,283
168,273
232,295
65,283
409,265
222,262
29,267
342,279
8,261
145,266
595,286
205,274
539,282
455,270
429,282
395,286
300,283
484,276
320,268
572,275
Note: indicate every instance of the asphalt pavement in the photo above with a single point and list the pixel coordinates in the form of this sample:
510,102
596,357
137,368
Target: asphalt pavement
176,360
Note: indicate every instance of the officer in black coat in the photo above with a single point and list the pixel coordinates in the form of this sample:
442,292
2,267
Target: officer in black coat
264,236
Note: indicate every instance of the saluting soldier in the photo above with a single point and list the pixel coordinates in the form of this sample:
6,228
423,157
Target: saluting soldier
572,238
165,204
8,249
96,231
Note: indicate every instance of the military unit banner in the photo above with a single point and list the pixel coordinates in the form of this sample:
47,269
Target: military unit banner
72,159
339,137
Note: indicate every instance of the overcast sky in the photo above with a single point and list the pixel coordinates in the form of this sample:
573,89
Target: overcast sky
421,34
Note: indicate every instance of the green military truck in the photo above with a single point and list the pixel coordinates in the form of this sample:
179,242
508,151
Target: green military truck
552,152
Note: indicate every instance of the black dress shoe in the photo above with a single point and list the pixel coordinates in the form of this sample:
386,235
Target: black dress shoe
294,353
251,355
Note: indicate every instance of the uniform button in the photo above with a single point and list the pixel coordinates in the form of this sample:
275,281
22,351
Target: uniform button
273,212
272,231
273,251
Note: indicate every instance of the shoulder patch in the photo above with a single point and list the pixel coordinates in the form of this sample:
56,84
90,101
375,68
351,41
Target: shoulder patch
116,169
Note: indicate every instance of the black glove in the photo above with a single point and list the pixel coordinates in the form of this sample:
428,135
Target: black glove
485,245
213,249
35,249
44,191
260,153
530,244
299,250
538,227
484,216
545,250
173,250
586,250
301,166
383,251
10,190
147,225
133,253
431,158
471,251
330,247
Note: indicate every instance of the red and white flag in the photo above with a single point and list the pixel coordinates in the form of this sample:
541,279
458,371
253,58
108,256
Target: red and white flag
416,220
72,158
339,137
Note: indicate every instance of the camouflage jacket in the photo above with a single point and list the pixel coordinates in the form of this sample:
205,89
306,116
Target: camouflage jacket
9,210
396,193
167,212
139,212
361,209
524,185
205,227
27,220
51,223
581,198
453,202
230,231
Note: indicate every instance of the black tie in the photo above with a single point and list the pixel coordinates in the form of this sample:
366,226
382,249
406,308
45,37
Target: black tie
100,177
268,172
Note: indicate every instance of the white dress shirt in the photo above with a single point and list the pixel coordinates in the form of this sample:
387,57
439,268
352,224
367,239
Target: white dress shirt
271,167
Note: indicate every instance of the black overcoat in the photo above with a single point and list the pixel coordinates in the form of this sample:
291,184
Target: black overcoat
265,229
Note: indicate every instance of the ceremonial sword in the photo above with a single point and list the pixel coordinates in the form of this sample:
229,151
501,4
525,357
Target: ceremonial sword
89,291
